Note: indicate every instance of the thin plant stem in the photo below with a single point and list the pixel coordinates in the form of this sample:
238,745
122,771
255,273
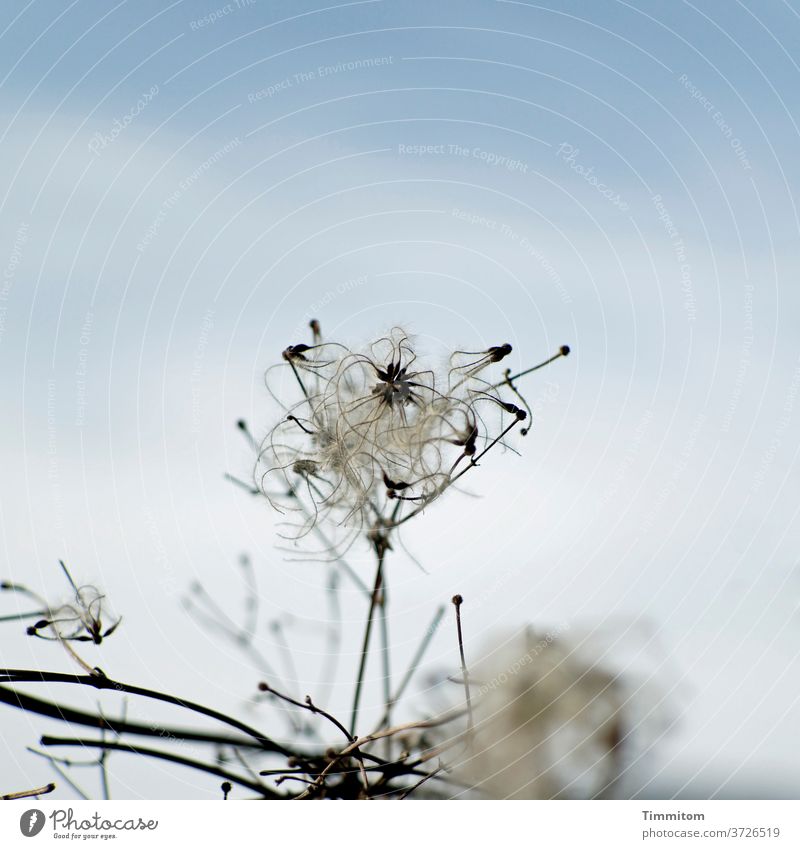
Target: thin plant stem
474,461
286,653
360,742
415,661
299,380
457,602
381,552
258,787
67,780
387,679
472,464
344,565
29,794
102,763
563,351
422,780
310,706
101,682
19,616
334,641
54,710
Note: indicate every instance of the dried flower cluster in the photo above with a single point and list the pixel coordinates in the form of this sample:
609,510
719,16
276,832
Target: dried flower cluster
376,434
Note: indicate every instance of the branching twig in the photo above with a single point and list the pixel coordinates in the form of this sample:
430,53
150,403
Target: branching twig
360,742
57,763
310,706
563,351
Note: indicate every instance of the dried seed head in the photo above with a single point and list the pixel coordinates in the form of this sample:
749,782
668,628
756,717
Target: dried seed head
372,427
79,620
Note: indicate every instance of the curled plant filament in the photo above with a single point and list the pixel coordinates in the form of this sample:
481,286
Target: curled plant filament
371,435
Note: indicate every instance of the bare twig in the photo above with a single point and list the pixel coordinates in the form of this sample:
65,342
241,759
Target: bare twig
415,661
101,682
307,705
334,641
360,742
310,706
31,614
381,548
57,763
54,710
329,546
457,602
258,787
563,351
387,674
102,763
422,780
29,794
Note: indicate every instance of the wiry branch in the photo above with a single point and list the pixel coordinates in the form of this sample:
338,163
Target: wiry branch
100,682
258,787
30,794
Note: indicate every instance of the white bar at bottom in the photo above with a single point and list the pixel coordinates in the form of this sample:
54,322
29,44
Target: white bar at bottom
490,825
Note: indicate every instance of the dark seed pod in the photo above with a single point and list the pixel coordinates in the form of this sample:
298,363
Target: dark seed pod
499,352
295,352
399,486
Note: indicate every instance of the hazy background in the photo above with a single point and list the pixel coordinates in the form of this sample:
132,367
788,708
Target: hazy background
179,196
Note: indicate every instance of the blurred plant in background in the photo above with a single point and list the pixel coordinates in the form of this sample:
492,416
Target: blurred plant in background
554,720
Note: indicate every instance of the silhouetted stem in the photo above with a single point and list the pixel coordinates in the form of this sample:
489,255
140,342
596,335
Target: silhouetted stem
360,742
374,600
29,794
55,710
100,682
563,352
258,787
387,679
458,601
415,661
